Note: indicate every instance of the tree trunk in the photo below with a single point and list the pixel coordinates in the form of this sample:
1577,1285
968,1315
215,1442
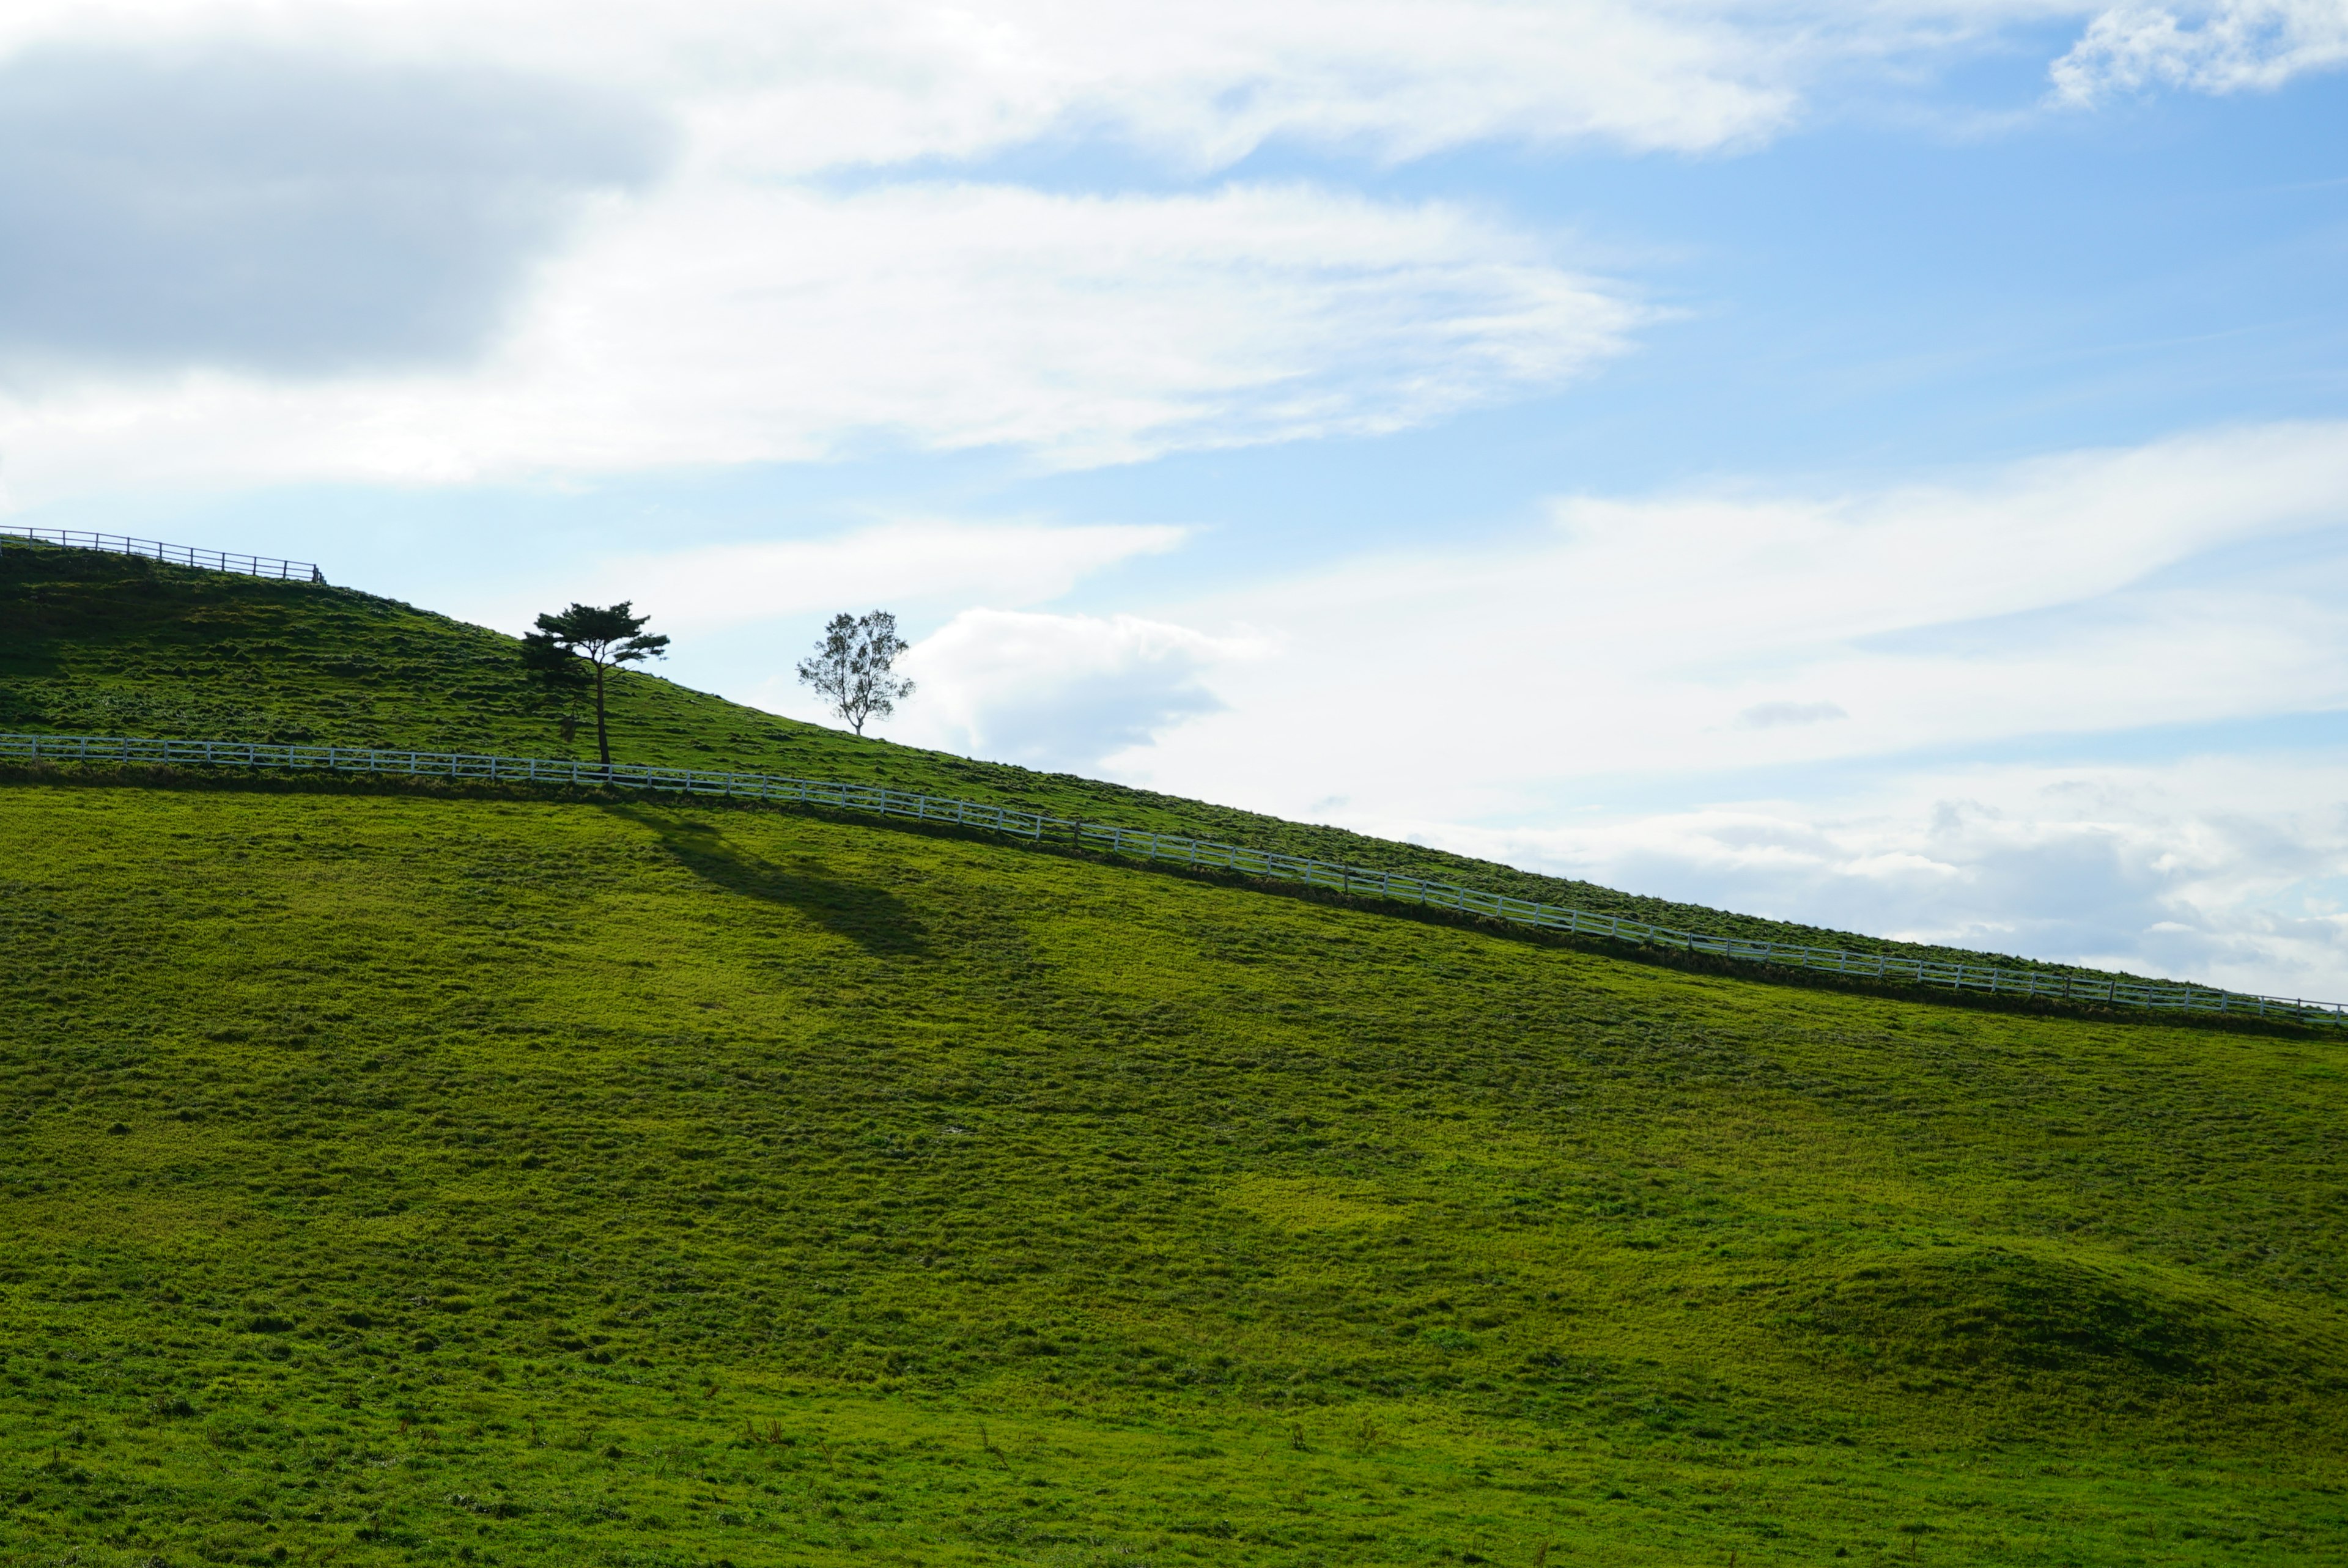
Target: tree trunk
603,736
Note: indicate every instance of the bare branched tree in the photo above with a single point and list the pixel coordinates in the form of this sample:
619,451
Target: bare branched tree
852,667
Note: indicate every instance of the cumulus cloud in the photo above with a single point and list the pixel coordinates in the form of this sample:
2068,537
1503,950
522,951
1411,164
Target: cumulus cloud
1062,692
719,323
2228,48
283,213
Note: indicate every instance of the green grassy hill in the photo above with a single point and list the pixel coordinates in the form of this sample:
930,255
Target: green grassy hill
118,645
392,1177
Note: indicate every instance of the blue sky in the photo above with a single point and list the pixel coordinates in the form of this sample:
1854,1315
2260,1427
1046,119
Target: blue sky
1879,466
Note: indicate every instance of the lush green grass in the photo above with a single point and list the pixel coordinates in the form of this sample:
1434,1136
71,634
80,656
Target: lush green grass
397,1178
400,1177
102,644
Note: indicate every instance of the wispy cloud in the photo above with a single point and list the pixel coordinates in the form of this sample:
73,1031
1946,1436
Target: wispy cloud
1606,682
1768,715
228,200
2233,47
792,87
2225,869
796,85
733,323
1629,638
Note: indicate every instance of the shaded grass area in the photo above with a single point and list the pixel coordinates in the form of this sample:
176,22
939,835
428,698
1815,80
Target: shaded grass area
106,774
403,1178
101,644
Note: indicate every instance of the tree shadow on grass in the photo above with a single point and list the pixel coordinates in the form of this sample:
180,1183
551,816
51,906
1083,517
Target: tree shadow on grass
877,921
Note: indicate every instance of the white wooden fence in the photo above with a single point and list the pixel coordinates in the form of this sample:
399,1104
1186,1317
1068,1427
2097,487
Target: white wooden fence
1176,849
177,555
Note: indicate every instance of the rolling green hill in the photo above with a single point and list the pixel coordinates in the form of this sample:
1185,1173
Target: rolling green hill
120,645
391,1177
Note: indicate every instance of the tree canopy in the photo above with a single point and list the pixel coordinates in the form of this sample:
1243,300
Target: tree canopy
852,667
569,645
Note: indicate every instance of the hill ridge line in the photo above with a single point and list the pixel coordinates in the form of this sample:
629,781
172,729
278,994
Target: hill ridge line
1155,845
237,563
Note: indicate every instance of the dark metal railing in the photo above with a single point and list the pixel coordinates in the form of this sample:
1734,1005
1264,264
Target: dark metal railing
177,555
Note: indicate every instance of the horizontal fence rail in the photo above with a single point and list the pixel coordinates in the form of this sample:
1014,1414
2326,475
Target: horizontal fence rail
1174,849
176,555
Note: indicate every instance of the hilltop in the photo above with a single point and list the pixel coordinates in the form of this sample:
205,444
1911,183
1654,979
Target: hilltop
398,1177
122,645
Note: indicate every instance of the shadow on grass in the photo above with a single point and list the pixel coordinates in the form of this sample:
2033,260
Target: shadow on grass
877,921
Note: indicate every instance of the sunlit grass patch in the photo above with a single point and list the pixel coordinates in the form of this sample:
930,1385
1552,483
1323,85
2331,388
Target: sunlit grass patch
409,1177
548,1180
1309,1204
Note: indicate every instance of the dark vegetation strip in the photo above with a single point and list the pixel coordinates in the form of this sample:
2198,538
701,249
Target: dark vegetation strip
1174,849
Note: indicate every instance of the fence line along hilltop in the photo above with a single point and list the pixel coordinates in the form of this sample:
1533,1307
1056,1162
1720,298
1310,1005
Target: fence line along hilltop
1176,849
175,555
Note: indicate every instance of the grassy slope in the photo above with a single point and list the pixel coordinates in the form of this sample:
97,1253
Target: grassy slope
399,1179
118,645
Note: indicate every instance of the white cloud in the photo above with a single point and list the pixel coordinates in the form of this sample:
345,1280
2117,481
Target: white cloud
1768,715
794,87
1206,84
2222,49
733,323
1628,639
2225,869
1060,692
155,212
743,311
1639,647
917,563
791,88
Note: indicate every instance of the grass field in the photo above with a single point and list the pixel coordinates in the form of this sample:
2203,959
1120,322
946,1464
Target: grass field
396,1175
405,1179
